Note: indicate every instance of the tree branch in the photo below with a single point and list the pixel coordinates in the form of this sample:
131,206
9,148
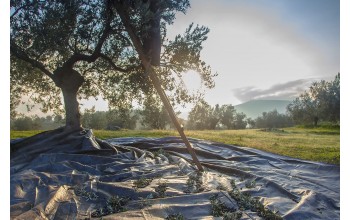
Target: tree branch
119,6
110,61
97,52
20,54
24,6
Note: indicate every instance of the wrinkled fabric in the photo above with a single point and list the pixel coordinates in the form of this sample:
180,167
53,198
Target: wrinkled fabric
57,175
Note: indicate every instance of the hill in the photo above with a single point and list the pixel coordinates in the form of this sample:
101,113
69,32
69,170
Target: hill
255,108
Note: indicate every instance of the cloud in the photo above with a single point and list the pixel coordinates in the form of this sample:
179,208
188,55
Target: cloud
288,90
265,52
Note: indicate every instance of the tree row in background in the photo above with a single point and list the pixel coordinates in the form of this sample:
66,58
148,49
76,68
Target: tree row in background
205,117
25,123
152,116
321,103
273,119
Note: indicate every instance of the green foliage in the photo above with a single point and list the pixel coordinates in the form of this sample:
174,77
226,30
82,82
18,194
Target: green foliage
233,184
250,184
320,102
122,118
114,119
246,202
232,215
232,119
273,119
144,202
110,120
218,208
89,38
203,116
251,122
227,116
221,187
194,183
23,124
114,204
161,151
80,191
28,82
43,36
161,189
240,122
154,114
177,216
26,123
142,182
96,120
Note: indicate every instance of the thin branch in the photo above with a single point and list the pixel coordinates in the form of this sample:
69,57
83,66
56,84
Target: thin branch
119,33
20,54
110,61
24,6
119,6
97,52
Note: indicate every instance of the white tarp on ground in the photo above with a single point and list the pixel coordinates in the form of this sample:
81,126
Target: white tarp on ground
71,176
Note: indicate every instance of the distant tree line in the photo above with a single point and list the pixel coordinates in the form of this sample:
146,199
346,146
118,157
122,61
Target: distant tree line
155,117
273,119
152,116
24,123
203,116
321,103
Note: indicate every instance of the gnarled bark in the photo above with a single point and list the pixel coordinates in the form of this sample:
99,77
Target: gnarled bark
69,80
152,40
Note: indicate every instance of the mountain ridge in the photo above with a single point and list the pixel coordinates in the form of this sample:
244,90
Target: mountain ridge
255,108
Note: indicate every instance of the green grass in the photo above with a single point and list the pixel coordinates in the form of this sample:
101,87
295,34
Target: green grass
317,144
23,134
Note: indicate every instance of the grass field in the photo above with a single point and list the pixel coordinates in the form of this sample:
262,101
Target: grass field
317,144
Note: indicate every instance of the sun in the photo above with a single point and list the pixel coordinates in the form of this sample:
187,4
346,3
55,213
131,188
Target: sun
192,81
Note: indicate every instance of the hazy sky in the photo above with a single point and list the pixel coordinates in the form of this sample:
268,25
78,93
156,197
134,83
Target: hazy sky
265,49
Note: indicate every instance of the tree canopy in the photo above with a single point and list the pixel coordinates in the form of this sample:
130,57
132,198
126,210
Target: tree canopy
154,114
320,102
203,116
82,49
273,119
200,116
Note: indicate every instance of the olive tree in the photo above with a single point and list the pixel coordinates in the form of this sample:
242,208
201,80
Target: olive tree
320,102
203,116
227,117
154,114
81,49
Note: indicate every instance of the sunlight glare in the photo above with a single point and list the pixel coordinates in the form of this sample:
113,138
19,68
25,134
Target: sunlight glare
192,81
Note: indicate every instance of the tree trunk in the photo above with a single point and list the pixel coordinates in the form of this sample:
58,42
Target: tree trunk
152,40
70,81
71,106
315,121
